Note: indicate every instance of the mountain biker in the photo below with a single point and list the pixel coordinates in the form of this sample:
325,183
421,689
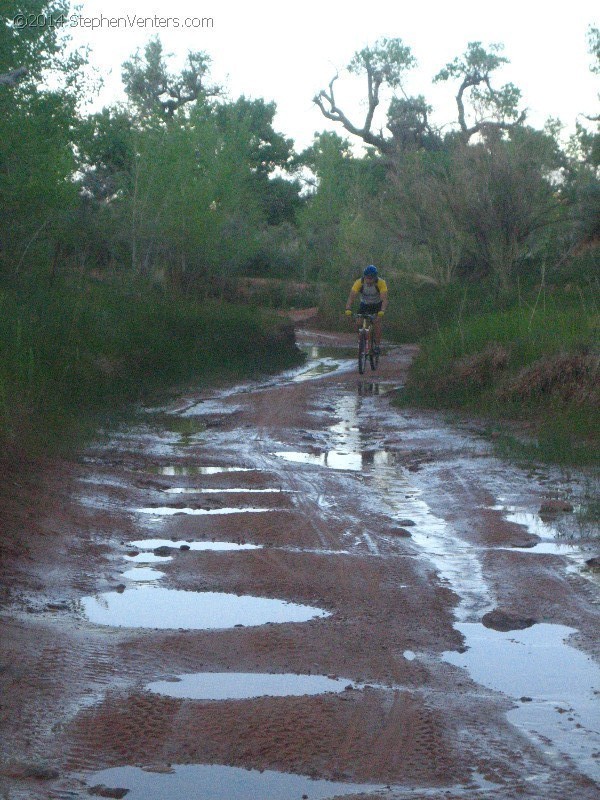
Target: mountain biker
373,299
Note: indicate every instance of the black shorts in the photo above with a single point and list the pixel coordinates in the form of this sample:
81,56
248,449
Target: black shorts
370,309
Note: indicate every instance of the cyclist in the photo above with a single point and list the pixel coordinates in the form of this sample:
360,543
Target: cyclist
373,299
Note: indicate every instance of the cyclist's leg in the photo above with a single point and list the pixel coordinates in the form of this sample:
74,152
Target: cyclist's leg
377,326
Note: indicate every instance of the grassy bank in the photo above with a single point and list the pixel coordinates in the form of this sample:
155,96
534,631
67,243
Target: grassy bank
71,355
530,357
414,310
538,365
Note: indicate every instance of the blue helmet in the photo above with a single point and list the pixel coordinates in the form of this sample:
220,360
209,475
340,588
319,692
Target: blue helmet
370,271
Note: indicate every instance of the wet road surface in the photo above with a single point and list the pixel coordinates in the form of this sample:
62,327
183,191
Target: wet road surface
314,594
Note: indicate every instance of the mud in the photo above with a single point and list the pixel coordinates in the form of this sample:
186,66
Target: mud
395,534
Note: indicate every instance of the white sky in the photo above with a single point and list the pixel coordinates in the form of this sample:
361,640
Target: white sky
287,52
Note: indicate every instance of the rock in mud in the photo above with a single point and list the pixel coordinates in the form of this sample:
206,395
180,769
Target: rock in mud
502,621
106,791
593,563
406,523
401,532
38,771
555,507
162,551
57,606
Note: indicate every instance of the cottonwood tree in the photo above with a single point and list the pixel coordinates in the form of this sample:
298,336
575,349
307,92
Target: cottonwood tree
155,91
40,85
482,108
385,64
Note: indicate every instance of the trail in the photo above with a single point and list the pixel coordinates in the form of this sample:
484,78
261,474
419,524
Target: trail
309,593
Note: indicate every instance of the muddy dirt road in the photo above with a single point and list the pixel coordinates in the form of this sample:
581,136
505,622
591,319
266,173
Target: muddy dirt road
293,590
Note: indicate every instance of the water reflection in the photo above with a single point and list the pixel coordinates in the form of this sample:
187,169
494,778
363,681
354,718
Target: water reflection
216,782
339,459
153,544
559,682
152,607
240,685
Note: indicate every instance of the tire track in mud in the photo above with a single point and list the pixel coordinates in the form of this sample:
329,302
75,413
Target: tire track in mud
333,542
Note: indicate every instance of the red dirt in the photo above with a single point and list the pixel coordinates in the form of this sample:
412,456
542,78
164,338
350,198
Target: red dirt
73,693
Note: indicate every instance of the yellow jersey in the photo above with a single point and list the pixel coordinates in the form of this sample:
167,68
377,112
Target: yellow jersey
370,295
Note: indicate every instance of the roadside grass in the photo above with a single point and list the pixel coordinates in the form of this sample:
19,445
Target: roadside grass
536,364
74,356
529,356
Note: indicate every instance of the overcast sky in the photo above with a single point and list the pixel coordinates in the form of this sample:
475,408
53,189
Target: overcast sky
286,52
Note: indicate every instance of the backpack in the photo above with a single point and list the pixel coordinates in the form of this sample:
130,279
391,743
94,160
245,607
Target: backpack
362,284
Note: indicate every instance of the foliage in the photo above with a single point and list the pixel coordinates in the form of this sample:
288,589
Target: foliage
154,91
538,363
72,354
36,153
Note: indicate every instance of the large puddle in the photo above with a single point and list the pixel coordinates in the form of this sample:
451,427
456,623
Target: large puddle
339,459
143,574
195,490
171,511
153,544
216,782
557,686
153,607
175,470
243,685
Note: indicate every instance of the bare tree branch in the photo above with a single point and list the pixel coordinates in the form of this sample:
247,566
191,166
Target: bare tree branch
12,78
325,100
482,125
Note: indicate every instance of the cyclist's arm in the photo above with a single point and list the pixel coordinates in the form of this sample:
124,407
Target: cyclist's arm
384,300
351,298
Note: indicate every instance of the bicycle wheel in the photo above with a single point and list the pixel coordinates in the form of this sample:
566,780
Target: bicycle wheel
362,351
374,359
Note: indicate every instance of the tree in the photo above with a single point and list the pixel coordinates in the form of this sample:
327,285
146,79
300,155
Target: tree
492,109
37,161
477,209
153,90
384,64
250,123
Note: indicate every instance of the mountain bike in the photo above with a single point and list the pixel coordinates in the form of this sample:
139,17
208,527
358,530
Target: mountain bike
366,348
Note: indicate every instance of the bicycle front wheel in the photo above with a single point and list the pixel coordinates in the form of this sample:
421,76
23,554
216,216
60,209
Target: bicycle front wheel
374,359
362,351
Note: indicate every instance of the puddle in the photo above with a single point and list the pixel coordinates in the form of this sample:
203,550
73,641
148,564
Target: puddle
152,544
532,522
242,685
216,782
210,408
315,352
561,683
338,459
377,388
324,367
152,607
148,558
143,574
547,548
176,470
193,490
166,511
454,559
